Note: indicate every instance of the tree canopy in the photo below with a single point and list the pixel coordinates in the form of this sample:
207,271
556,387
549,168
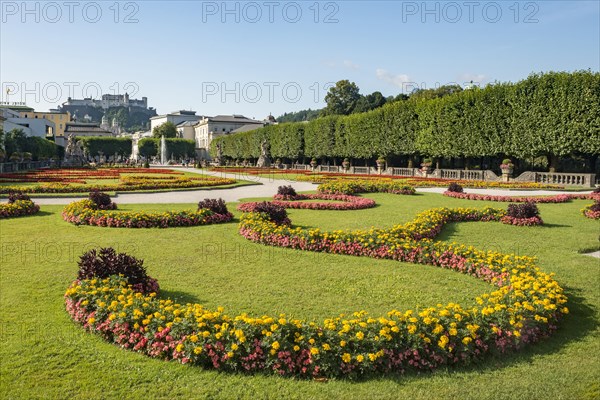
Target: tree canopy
167,129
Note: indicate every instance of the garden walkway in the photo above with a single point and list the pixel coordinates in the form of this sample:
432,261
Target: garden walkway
267,188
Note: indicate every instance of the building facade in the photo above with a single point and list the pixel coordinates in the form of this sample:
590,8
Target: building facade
10,118
210,128
60,119
176,118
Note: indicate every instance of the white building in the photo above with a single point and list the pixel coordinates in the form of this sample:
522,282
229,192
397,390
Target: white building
210,128
185,130
176,118
10,119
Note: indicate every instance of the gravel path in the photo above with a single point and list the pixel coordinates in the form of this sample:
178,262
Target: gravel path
593,254
267,187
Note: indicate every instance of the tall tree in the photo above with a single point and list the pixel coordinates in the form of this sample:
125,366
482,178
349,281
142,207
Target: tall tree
369,102
342,98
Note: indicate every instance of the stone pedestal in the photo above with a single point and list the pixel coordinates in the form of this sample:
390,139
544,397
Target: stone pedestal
506,175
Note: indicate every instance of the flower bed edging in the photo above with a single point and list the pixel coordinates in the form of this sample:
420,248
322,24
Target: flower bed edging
85,212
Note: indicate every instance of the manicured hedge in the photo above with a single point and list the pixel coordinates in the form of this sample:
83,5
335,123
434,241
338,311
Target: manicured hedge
553,114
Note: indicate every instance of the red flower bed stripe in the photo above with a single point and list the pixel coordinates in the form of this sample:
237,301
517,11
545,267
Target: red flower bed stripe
349,202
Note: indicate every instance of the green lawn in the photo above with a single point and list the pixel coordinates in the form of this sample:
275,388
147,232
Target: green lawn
44,355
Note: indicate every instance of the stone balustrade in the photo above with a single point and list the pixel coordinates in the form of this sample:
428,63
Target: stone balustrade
558,178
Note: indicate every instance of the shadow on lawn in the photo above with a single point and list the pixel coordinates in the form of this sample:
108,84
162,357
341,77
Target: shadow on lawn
180,297
545,225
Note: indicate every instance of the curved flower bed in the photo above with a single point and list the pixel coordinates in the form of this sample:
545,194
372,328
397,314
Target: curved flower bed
365,186
86,212
18,209
524,306
559,198
349,202
592,211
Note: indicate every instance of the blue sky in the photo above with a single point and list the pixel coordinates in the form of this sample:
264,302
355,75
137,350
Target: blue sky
253,58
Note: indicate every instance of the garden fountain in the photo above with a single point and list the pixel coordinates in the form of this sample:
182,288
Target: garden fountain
163,150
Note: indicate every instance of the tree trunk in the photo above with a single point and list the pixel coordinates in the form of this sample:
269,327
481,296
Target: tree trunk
553,162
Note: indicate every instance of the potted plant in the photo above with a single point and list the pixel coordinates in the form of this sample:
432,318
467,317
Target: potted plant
27,156
507,166
278,163
380,162
314,163
2,154
346,164
15,157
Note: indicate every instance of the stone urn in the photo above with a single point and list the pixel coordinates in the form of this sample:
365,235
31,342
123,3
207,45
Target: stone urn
426,167
507,168
380,164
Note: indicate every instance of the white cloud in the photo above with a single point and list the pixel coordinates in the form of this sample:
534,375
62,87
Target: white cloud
350,65
347,64
399,80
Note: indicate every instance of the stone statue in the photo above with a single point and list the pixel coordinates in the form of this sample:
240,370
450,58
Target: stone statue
263,160
74,153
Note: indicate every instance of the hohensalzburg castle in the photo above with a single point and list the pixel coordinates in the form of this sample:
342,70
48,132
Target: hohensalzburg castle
108,101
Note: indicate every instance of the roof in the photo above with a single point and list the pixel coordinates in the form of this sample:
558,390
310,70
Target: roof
233,118
187,123
16,107
74,127
246,128
186,113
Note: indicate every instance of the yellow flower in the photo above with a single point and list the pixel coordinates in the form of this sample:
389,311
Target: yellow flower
467,340
326,347
197,350
443,341
275,345
91,320
360,335
296,348
343,343
314,350
346,357
234,347
360,358
179,347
